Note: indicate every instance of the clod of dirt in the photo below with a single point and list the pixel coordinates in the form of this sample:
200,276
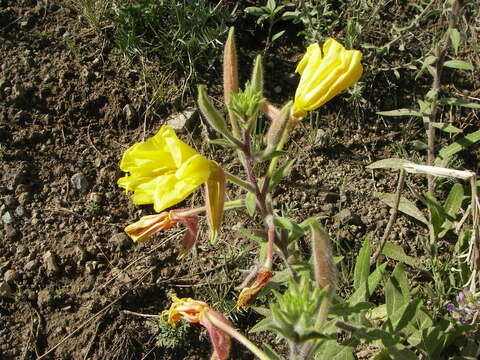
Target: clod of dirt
5,290
10,276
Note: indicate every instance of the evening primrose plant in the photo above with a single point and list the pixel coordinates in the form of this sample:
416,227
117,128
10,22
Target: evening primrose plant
163,171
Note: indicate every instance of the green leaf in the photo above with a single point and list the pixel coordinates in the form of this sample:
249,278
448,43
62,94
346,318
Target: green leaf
270,352
362,265
397,293
290,15
250,203
400,112
366,290
255,11
448,128
405,206
287,224
252,236
332,350
458,102
447,152
392,163
458,64
222,142
455,38
262,325
277,35
280,173
452,206
396,252
437,213
271,4
273,154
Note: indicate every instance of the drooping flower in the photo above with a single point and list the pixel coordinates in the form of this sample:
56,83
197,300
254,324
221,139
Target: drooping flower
195,311
147,226
163,170
249,294
325,75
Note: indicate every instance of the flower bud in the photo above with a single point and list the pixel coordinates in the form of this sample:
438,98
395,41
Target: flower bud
215,200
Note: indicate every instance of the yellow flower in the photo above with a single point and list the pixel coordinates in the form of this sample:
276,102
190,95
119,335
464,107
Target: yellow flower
163,170
195,311
249,294
323,77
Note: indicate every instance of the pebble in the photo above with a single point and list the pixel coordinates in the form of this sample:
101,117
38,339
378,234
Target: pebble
8,218
11,233
51,263
43,298
24,198
31,265
10,276
182,119
5,289
79,182
129,112
96,198
10,202
20,211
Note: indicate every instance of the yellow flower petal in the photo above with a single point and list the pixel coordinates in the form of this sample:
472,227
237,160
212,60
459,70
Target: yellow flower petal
162,170
322,78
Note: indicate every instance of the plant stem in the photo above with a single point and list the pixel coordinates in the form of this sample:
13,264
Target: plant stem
393,217
236,180
440,53
238,336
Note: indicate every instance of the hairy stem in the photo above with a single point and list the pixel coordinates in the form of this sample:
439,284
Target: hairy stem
238,336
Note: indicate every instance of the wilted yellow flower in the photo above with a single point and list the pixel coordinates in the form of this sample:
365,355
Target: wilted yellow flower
163,170
147,226
324,76
195,311
249,294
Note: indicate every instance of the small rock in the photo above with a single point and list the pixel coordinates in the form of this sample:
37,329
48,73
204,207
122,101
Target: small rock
50,262
96,198
19,177
20,211
79,182
18,92
181,120
328,197
346,217
31,265
22,250
120,240
10,202
44,298
10,276
5,289
129,112
8,218
277,89
24,198
91,267
11,233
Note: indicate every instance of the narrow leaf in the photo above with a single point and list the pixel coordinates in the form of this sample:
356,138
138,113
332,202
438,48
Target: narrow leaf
362,265
277,35
405,206
392,163
455,38
250,203
447,152
448,128
400,112
458,102
458,64
396,252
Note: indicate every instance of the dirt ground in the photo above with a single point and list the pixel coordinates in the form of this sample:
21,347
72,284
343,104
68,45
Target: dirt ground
68,110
